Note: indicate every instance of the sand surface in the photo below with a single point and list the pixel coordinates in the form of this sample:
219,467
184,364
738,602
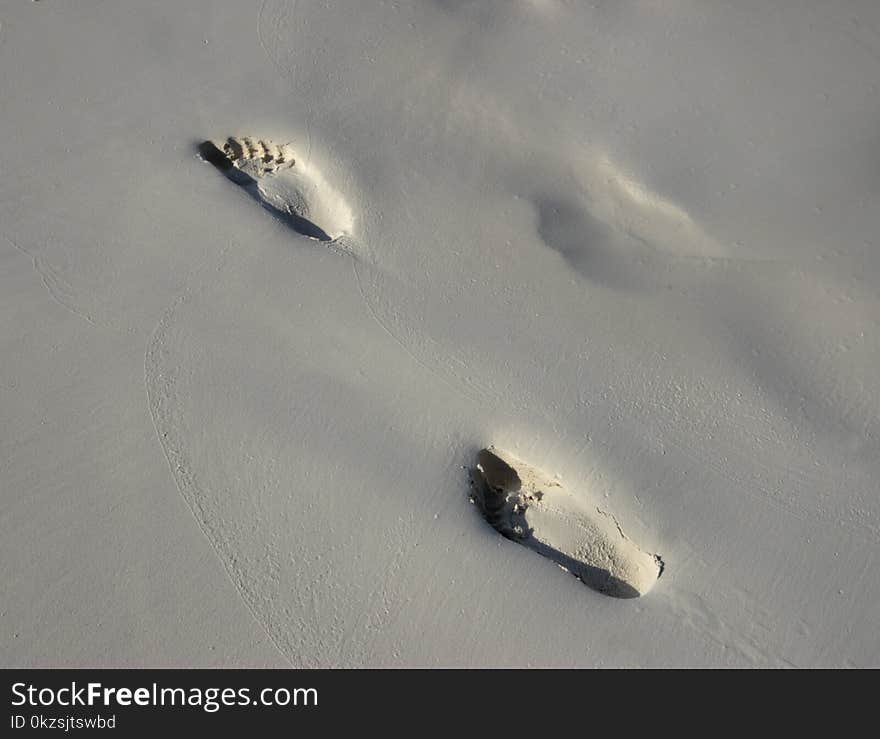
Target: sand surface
634,243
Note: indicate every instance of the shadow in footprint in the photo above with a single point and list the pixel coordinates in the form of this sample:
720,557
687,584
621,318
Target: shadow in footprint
597,552
211,154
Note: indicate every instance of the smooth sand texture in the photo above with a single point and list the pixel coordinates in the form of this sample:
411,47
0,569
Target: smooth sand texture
633,244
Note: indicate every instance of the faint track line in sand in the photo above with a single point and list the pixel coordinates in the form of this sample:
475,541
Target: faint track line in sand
159,385
159,393
60,291
282,72
402,345
159,380
384,592
279,16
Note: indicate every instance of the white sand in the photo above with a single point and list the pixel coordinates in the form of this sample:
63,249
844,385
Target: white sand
634,243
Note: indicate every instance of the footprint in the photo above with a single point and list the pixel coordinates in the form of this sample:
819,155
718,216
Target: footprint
292,190
588,245
525,506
